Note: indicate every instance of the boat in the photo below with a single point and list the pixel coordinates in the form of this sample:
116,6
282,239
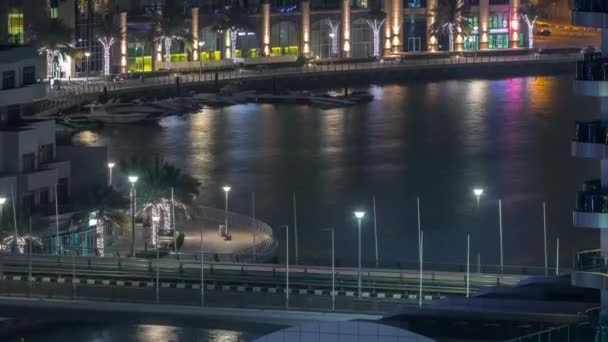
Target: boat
328,102
109,119
78,121
213,100
361,96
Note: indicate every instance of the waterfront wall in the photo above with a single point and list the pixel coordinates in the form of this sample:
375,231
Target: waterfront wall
361,77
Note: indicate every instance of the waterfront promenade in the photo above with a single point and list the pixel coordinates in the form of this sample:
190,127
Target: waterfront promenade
413,66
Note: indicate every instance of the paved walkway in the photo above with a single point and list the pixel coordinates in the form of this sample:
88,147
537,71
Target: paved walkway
241,228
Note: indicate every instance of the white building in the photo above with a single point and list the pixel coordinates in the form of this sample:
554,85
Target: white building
19,87
29,167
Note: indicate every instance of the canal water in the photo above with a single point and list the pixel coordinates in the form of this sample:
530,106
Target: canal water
433,140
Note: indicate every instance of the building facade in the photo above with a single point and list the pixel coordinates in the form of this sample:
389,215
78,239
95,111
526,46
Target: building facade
311,28
20,86
591,141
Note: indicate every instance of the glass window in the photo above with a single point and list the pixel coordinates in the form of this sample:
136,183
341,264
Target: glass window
43,196
15,26
499,20
54,12
8,79
499,41
45,153
29,163
471,42
29,75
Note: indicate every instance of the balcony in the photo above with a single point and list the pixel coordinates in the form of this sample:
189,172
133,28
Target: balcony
591,209
590,13
26,94
591,75
590,269
591,140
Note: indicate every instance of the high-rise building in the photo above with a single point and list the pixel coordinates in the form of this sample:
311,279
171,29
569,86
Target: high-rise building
591,141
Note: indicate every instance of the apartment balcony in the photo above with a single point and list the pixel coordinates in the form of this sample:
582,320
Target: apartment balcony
25,94
590,269
590,13
591,210
591,140
591,75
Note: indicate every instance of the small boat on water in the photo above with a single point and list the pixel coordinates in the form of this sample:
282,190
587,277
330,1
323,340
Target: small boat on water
78,121
213,100
110,119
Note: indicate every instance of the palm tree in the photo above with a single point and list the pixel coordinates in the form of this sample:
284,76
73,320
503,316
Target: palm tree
159,186
375,20
52,38
168,26
530,13
233,20
107,35
105,206
449,19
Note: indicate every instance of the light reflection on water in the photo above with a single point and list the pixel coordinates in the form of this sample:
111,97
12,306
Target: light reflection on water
435,140
136,333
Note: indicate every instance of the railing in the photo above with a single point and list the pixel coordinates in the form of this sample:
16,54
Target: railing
594,132
592,202
75,92
591,261
263,250
593,67
591,6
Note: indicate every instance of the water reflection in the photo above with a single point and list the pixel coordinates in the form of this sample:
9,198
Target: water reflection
435,140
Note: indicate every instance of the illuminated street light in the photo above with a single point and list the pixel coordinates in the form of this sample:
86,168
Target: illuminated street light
133,180
2,201
477,192
110,166
226,189
359,215
87,55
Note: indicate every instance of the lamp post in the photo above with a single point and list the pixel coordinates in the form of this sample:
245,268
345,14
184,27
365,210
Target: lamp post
333,270
226,189
202,270
155,222
359,215
332,37
200,60
87,55
2,201
477,192
286,265
133,180
110,167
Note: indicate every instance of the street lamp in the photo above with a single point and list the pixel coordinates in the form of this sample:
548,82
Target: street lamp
477,192
200,73
110,166
133,180
332,36
286,265
155,222
359,215
226,189
87,55
2,201
333,270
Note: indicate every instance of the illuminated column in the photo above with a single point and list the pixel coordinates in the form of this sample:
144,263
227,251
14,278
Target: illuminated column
195,31
123,43
483,30
388,6
432,43
397,26
345,28
514,24
266,28
159,48
305,11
